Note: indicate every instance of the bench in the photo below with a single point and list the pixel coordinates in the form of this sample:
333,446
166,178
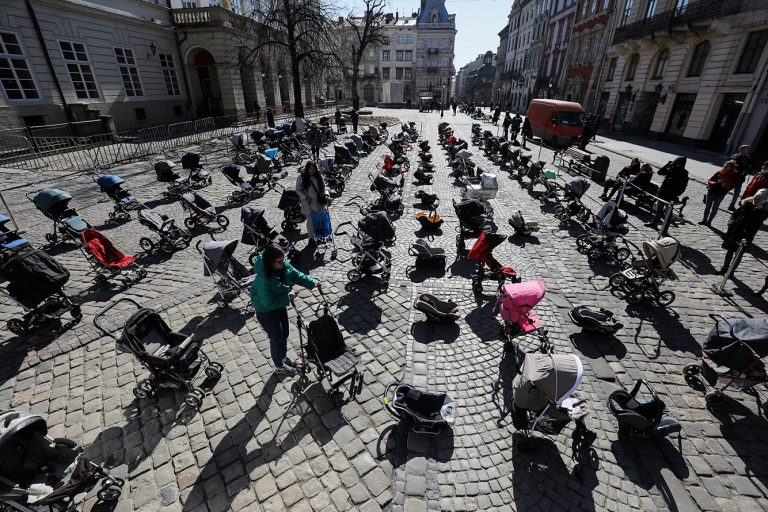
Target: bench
646,200
578,162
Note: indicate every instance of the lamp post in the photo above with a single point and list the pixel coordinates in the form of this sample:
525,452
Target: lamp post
442,101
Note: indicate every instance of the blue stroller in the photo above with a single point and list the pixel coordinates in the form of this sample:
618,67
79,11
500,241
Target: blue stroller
54,204
323,233
125,203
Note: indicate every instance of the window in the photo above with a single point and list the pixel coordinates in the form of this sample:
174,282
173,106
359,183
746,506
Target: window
385,55
680,7
169,73
399,55
595,6
130,73
632,66
650,9
385,73
14,70
400,39
584,9
408,55
627,12
611,69
700,54
572,118
752,52
398,73
386,40
661,64
407,73
79,69
409,39
189,4
605,4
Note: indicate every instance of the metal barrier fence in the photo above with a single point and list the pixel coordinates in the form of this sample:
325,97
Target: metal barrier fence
68,153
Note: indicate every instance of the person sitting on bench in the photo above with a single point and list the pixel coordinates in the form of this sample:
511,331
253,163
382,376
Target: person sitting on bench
624,175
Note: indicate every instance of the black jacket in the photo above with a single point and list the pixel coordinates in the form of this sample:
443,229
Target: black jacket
744,224
675,179
270,119
743,166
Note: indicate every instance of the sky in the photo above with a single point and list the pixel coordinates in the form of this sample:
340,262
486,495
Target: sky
478,23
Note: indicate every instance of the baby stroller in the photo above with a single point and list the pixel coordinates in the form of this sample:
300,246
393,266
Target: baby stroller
54,204
573,207
482,252
643,278
733,353
165,174
543,399
172,237
124,201
174,360
326,350
107,261
368,256
606,235
389,199
38,473
425,413
597,320
198,177
436,310
483,191
334,178
201,212
265,170
520,225
36,282
649,418
290,204
342,156
229,275
245,191
515,303
472,220
258,233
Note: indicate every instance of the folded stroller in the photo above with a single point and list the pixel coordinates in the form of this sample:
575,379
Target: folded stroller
36,282
165,174
201,212
543,399
125,203
290,203
54,204
174,360
258,233
606,235
482,252
245,191
643,278
520,226
171,236
437,310
229,275
198,176
472,220
426,255
515,303
650,418
429,221
107,261
596,320
38,473
425,413
733,353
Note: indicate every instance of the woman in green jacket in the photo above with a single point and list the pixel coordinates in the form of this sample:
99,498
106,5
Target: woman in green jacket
270,295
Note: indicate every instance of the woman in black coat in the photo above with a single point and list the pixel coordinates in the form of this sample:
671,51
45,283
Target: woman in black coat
744,224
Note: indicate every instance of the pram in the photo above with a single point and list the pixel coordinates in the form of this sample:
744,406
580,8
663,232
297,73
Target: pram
425,413
36,282
54,204
245,191
482,252
229,275
265,170
427,255
650,418
368,256
520,225
172,237
41,474
389,199
378,226
733,353
326,350
515,303
606,235
573,207
334,177
462,166
290,204
198,176
472,220
258,233
343,156
483,191
543,399
107,261
597,320
174,360
201,212
125,203
643,278
437,310
165,174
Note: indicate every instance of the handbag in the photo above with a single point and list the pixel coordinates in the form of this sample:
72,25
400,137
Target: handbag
321,224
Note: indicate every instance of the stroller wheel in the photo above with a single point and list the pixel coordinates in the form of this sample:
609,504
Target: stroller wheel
51,238
634,297
147,245
144,389
622,254
190,223
583,243
690,370
559,212
77,313
665,298
17,327
617,280
354,275
714,398
109,493
167,246
286,226
222,221
212,372
185,235
594,253
54,325
193,399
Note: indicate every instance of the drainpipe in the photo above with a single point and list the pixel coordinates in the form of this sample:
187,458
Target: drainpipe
182,64
41,40
746,115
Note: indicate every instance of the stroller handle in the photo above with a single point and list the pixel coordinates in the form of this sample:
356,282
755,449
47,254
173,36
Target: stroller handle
104,311
338,228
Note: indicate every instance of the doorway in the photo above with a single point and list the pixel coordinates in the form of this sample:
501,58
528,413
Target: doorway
678,120
206,88
725,120
368,94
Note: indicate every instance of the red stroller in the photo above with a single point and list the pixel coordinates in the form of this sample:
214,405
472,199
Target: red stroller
107,260
515,303
482,252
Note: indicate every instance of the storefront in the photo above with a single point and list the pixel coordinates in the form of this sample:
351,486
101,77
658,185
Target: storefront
725,121
678,120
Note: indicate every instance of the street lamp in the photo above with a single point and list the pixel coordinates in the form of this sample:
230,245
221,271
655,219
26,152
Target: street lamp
659,98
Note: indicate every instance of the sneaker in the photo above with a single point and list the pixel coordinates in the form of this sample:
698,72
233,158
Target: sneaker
292,363
703,223
651,225
286,370
311,242
721,272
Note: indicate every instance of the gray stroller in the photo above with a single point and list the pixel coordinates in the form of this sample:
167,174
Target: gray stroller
231,276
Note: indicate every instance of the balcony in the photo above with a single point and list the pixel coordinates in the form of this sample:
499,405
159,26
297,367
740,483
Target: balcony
696,12
433,50
211,17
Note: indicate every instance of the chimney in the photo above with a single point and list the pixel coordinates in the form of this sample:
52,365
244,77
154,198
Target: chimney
397,17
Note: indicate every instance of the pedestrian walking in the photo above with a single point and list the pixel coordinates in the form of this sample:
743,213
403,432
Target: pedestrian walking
315,140
744,224
337,117
496,115
270,295
624,175
354,116
744,168
311,190
718,187
454,104
270,118
506,124
587,133
515,127
527,131
759,182
675,182
257,111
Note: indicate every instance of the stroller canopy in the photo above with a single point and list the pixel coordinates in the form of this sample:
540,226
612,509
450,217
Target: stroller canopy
488,181
578,187
239,139
326,165
464,154
378,226
523,296
49,198
737,343
215,251
254,219
33,276
197,202
152,218
665,251
232,172
109,181
381,183
546,378
191,160
14,422
271,153
469,208
609,217
99,246
485,243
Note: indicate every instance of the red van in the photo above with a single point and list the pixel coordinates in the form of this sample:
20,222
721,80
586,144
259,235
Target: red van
559,123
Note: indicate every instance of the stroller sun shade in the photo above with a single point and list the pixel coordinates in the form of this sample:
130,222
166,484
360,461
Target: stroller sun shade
51,198
486,242
610,217
232,172
239,140
665,251
33,276
378,226
153,218
215,251
109,181
191,160
737,343
578,187
546,378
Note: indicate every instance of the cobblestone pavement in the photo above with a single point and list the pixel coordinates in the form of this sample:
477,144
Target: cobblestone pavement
266,443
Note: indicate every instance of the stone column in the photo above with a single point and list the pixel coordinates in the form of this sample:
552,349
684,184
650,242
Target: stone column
231,87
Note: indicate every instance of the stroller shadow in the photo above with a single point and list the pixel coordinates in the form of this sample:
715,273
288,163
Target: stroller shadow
696,260
420,274
230,319
394,441
159,201
462,267
426,332
596,346
523,240
360,315
501,393
666,322
429,234
601,267
482,322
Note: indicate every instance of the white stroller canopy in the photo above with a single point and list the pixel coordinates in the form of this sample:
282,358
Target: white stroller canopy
239,139
488,181
665,251
464,154
546,378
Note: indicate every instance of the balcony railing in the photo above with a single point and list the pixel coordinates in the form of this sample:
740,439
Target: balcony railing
696,12
211,17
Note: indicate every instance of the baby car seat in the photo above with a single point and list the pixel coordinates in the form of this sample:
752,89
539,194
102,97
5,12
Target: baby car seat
642,419
593,319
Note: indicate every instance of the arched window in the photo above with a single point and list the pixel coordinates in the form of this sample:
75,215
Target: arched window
661,64
632,66
700,54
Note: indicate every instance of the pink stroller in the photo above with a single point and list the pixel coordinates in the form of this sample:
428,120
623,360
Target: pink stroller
515,303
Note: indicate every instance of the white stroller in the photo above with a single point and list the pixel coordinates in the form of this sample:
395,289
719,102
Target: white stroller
483,191
643,278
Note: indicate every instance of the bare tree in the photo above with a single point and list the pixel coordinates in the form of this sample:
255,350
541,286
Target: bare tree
366,30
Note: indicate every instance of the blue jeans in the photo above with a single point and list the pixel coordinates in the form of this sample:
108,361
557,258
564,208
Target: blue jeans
712,204
660,207
736,193
275,324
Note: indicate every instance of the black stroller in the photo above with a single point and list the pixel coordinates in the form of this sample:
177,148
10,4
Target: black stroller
54,204
472,221
425,413
343,156
174,360
200,212
258,233
290,203
171,236
245,191
165,174
41,474
198,176
230,276
36,281
606,237
11,237
125,203
570,205
437,310
368,255
265,170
